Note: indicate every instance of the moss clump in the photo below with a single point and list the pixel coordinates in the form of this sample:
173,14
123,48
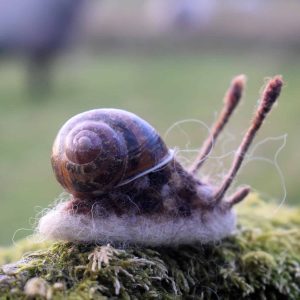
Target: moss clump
262,261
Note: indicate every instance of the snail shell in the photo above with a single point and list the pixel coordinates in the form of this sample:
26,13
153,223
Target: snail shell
100,149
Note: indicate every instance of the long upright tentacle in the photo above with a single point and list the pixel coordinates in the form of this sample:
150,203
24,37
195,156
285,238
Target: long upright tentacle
231,99
268,98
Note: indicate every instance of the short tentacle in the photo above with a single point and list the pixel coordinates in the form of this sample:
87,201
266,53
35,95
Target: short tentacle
237,197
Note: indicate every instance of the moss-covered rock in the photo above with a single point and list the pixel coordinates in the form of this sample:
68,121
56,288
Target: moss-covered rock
262,261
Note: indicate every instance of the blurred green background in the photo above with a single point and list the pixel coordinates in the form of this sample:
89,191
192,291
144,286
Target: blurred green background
164,73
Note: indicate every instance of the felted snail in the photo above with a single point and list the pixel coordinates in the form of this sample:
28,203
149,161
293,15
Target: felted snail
126,186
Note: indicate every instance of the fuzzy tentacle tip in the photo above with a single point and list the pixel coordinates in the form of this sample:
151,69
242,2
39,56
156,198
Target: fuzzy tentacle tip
271,93
235,91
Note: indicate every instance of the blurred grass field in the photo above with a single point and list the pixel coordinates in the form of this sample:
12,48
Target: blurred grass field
163,89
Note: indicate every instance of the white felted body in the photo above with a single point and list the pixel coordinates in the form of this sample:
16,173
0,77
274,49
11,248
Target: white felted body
62,225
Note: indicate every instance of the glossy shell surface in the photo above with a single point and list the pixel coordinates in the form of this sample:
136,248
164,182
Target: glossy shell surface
104,148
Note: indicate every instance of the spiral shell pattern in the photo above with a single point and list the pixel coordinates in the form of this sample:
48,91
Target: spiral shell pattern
100,149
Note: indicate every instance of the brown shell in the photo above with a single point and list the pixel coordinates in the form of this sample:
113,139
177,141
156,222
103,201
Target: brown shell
103,148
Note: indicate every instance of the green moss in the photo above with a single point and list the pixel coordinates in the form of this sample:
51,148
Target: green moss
262,261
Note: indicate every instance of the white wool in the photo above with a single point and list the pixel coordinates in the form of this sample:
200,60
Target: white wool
58,224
